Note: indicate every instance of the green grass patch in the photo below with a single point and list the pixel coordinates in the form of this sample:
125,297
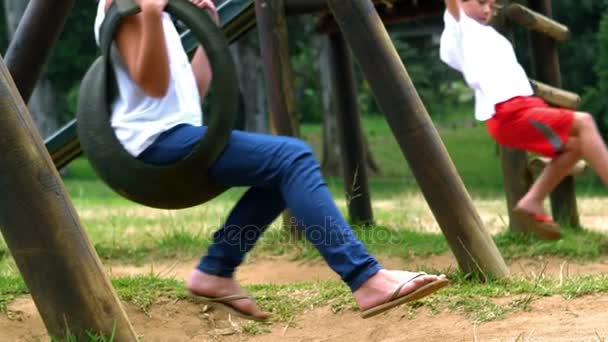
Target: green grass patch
177,243
10,288
582,245
89,336
479,302
379,240
143,291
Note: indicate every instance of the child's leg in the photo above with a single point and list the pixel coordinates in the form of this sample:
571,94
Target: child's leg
585,142
244,226
550,177
283,171
592,146
288,165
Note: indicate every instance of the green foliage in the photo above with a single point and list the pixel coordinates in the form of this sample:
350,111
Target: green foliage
595,100
576,55
439,86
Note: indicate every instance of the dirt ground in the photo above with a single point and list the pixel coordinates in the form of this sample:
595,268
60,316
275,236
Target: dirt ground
550,318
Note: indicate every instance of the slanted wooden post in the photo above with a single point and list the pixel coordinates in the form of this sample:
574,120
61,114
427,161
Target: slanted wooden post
420,143
516,176
272,28
546,69
38,30
42,230
37,220
349,128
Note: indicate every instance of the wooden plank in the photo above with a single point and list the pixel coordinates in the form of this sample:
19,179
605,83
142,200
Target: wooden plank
556,96
538,22
537,165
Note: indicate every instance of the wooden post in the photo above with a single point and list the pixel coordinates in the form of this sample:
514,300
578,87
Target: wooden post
517,181
43,232
272,28
420,143
298,7
349,128
546,69
516,176
538,22
38,30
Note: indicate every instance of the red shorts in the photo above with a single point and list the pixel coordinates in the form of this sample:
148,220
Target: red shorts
528,123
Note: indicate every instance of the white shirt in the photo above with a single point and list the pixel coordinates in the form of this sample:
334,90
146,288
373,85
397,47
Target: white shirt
487,61
137,118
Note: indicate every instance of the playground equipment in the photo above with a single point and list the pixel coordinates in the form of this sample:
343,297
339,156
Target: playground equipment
184,183
545,33
40,225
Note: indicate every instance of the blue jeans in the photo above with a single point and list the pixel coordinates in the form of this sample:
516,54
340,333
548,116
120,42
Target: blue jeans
282,172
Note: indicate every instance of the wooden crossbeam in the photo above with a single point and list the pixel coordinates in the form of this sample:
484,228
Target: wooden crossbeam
537,164
535,21
556,96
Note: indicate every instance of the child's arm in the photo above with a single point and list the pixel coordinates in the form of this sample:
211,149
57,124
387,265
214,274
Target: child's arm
141,42
202,71
454,8
200,63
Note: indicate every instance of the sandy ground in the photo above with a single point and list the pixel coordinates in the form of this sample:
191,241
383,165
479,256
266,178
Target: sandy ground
549,319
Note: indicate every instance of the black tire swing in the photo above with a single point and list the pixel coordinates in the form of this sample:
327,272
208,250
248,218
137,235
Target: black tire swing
186,182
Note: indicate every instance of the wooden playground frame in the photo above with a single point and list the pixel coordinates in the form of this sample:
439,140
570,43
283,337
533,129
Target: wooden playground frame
43,231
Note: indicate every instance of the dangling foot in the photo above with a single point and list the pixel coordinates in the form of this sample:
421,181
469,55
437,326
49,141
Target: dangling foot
535,217
388,289
225,294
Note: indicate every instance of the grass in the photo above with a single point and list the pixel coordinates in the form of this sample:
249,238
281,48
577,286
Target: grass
479,302
124,232
581,245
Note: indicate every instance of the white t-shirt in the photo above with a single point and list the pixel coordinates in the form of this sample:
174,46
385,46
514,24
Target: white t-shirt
138,119
487,61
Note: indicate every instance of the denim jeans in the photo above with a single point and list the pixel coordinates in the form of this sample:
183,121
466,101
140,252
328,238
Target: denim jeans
281,172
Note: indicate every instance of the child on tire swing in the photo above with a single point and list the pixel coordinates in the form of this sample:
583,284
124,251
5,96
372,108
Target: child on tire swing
514,117
157,118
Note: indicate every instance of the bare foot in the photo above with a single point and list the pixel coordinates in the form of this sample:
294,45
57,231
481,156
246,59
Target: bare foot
532,207
202,284
381,286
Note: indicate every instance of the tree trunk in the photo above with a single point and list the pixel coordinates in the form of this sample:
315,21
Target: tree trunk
42,103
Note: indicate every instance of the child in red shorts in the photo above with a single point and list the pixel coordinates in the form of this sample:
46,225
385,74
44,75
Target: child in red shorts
514,117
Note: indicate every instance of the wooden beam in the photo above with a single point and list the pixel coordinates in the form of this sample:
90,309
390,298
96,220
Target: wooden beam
43,232
299,7
546,69
556,96
535,21
274,44
418,139
38,30
537,165
350,132
516,177
391,13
